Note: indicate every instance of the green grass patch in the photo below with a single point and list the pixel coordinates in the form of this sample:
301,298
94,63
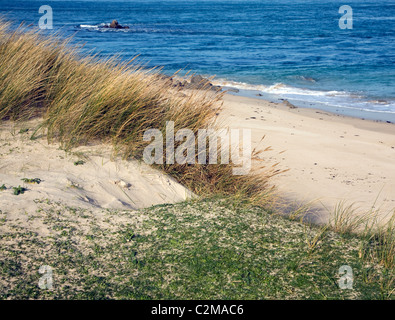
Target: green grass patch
193,250
24,130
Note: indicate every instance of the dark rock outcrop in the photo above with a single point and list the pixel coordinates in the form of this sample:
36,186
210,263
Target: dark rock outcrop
115,25
196,82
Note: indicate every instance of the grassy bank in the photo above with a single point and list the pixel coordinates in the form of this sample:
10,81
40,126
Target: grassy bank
85,100
194,250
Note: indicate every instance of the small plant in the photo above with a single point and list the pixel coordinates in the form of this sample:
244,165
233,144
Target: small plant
314,240
79,163
23,130
3,187
381,244
35,180
19,190
347,219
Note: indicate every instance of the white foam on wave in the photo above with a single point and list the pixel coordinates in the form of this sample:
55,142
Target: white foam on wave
87,26
342,99
102,27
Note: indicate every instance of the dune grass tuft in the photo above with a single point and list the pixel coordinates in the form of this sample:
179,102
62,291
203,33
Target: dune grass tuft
376,228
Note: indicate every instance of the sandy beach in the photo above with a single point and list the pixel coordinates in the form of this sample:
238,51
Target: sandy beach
330,157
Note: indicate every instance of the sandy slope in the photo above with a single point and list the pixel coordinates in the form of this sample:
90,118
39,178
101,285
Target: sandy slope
99,182
330,157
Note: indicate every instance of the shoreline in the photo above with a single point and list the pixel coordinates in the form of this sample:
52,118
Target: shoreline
331,157
381,116
196,81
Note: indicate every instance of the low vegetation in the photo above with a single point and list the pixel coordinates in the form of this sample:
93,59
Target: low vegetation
210,249
79,162
32,181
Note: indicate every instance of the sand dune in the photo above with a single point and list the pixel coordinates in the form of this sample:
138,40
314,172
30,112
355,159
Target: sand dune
330,158
87,177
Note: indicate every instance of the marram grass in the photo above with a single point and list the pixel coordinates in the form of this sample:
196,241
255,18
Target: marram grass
83,99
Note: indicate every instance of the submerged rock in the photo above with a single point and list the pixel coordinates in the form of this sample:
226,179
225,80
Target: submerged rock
308,79
235,90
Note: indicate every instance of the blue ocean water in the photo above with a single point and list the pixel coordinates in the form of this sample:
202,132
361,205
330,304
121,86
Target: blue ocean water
290,49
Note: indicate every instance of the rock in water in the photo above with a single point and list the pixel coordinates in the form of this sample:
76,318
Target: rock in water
115,25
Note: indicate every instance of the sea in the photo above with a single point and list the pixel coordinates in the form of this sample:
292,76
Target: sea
287,49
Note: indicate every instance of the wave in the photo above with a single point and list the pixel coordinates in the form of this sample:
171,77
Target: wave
101,27
304,96
104,27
